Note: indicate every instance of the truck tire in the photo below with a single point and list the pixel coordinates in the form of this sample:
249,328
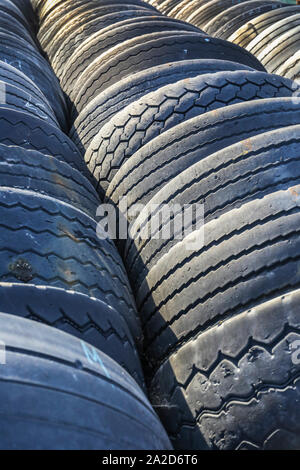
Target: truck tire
222,182
28,131
225,17
159,161
158,112
103,40
249,256
31,170
250,30
115,98
243,392
79,315
171,49
69,395
41,237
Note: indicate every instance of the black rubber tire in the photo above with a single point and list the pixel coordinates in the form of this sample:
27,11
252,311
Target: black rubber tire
94,116
236,386
17,99
171,7
167,6
190,8
31,170
273,32
63,7
12,25
224,19
71,35
78,34
250,30
84,317
160,111
27,131
155,164
15,77
175,7
13,10
35,67
110,37
49,33
232,26
205,13
280,50
26,10
249,256
69,395
221,182
47,242
291,68
110,59
171,49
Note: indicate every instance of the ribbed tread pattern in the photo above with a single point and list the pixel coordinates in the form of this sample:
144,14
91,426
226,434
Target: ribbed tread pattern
226,180
85,317
234,378
47,242
154,114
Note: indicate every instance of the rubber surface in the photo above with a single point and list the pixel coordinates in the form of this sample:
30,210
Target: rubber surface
152,115
155,164
250,30
31,170
118,96
69,395
185,46
19,128
245,171
113,36
222,21
48,242
86,318
236,386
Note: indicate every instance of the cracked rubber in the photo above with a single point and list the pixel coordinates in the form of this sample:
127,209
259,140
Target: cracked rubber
18,99
28,60
15,77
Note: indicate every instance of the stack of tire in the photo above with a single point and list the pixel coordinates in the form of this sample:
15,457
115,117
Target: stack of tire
63,389
268,29
166,114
